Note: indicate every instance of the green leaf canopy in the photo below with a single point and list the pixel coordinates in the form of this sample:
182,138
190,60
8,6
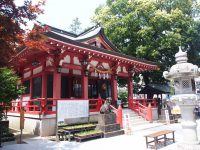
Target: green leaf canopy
152,29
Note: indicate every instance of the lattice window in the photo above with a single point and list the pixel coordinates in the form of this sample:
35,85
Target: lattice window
185,83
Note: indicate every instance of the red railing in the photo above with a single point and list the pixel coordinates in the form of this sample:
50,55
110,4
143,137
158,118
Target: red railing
140,109
146,102
35,106
95,104
47,106
118,113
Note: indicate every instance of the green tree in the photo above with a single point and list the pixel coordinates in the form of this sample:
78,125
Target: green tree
152,29
75,26
8,89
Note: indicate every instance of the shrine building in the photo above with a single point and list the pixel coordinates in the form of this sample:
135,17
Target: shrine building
75,67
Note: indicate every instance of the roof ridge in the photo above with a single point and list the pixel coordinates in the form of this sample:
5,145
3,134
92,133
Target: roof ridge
60,31
88,30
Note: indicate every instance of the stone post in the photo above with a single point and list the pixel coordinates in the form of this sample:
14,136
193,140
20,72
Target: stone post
189,124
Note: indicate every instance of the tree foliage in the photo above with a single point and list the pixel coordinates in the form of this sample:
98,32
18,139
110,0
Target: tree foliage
13,19
8,88
75,26
152,29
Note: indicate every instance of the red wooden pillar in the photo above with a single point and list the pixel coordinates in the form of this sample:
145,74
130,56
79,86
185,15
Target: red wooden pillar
85,87
144,102
56,85
155,102
114,89
70,85
31,84
130,90
44,85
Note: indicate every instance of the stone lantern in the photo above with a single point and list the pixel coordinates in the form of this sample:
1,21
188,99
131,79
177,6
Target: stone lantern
183,74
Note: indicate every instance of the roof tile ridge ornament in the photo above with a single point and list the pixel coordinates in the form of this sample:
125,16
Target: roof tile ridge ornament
181,67
181,56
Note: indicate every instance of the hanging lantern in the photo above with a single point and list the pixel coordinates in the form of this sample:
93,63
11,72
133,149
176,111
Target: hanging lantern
99,75
107,76
104,76
95,73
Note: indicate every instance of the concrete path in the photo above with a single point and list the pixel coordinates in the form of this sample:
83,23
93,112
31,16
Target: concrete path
135,141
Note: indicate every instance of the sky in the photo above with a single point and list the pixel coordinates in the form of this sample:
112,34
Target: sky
60,13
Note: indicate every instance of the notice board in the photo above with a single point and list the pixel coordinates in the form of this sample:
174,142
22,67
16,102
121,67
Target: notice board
72,109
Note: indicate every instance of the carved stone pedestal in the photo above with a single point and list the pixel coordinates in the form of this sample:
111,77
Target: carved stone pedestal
187,103
189,127
107,124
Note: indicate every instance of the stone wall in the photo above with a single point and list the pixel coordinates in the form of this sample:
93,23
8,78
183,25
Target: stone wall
44,126
36,126
154,114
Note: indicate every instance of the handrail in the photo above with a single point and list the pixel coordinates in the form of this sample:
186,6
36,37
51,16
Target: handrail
112,107
146,101
118,113
140,109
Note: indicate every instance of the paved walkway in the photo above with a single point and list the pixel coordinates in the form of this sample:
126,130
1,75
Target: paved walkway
129,142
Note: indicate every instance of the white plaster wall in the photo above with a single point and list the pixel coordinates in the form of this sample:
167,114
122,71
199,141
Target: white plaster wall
76,61
27,74
124,69
94,63
49,61
106,65
65,70
37,70
77,72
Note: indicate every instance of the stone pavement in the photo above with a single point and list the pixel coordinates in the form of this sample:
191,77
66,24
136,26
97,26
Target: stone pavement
135,141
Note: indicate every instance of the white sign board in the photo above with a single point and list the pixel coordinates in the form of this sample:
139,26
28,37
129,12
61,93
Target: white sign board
167,116
126,120
67,109
127,124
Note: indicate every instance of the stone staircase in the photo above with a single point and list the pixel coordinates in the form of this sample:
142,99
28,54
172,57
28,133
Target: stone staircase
134,118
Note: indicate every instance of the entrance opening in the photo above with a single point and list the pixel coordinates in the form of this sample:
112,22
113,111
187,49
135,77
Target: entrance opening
100,88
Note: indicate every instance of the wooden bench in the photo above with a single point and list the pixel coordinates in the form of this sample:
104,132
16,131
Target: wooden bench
159,137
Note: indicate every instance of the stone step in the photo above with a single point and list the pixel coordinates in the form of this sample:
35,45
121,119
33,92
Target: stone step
114,133
139,123
135,121
132,118
131,115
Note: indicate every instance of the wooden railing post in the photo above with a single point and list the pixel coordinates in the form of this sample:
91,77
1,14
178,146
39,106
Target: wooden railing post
149,113
99,102
42,108
119,116
28,106
130,103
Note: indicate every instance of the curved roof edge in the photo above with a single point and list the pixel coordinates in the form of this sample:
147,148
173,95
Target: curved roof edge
65,40
84,36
